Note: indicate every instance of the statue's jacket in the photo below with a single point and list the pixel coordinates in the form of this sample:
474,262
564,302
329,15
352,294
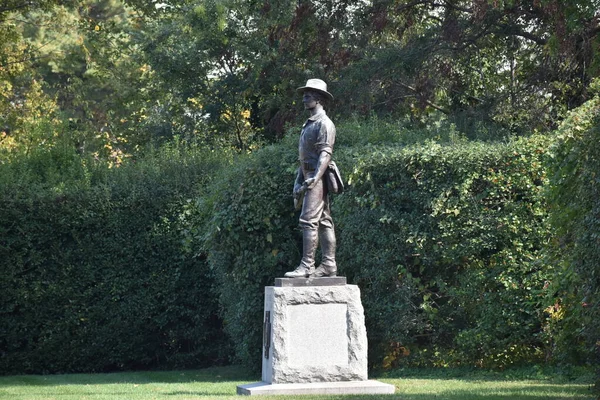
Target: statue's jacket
318,135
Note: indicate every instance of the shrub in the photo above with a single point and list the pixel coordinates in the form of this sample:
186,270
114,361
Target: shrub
245,224
574,193
94,275
149,264
444,241
447,242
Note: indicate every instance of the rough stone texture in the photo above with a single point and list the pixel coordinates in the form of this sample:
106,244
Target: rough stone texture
317,335
339,388
325,281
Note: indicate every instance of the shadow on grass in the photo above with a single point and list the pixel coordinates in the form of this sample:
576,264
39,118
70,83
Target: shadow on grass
519,392
549,374
529,392
212,375
199,393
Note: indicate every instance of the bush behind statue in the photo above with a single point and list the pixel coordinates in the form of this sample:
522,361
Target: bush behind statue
147,266
444,241
463,227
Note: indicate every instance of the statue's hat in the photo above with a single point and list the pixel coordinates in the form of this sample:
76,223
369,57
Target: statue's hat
318,86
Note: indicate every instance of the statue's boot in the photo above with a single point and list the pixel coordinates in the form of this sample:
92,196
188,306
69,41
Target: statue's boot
328,266
310,239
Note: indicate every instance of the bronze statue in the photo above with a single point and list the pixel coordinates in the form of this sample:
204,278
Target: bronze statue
310,189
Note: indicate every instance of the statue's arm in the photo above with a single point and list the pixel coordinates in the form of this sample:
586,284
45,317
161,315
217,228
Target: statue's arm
324,159
298,182
299,177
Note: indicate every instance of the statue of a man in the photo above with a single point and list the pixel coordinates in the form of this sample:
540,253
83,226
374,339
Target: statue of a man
315,150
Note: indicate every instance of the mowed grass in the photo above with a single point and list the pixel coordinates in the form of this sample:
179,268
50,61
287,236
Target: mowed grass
221,383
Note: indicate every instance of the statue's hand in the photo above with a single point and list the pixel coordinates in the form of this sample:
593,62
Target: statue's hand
310,183
297,190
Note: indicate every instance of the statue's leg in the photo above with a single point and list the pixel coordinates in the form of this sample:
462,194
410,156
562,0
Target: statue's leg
310,240
312,209
328,265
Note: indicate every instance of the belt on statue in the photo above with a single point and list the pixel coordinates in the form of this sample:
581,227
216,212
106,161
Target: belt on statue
309,165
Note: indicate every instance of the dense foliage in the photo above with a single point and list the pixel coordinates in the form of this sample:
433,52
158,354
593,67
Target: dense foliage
162,263
93,273
463,226
576,215
445,241
513,64
123,73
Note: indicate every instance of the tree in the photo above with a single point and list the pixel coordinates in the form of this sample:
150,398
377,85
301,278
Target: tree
83,58
517,63
225,71
223,55
28,116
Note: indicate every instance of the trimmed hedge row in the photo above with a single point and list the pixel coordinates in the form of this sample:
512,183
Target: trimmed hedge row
94,277
164,263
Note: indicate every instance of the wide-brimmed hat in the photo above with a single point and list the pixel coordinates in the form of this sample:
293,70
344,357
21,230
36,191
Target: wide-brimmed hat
317,85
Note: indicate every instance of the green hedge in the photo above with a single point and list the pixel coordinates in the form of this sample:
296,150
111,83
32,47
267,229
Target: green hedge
163,262
444,241
94,274
447,241
246,226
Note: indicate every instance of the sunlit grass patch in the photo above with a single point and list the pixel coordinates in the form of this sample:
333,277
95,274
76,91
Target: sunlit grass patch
221,383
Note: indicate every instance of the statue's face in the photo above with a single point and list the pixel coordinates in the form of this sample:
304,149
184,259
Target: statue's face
309,100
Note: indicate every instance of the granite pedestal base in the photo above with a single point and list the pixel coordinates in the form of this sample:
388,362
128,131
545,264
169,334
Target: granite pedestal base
314,341
340,388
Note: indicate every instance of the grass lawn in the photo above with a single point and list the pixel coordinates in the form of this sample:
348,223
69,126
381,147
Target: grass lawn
220,383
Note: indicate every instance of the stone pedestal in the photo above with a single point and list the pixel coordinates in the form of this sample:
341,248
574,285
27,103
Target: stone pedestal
314,340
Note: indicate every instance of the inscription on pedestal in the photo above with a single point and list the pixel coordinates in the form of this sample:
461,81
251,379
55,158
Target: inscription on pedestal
320,335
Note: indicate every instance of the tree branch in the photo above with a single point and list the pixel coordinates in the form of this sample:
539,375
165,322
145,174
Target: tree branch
412,4
15,7
454,7
429,103
517,31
